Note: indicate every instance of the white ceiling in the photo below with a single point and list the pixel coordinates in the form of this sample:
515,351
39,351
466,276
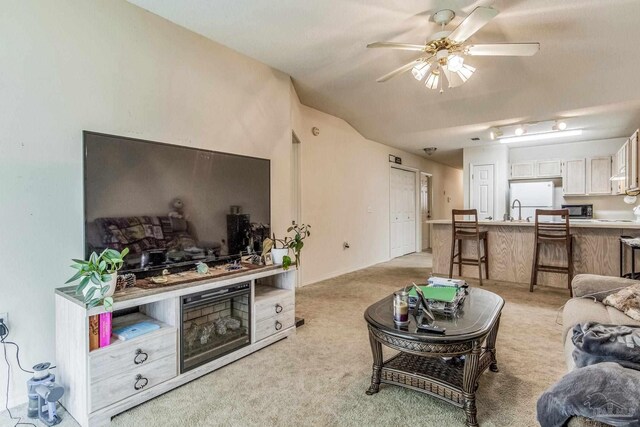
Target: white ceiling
587,70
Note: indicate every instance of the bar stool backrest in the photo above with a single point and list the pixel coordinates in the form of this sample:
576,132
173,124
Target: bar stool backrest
467,225
553,230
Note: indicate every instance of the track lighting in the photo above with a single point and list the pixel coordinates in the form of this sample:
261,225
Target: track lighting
495,133
559,125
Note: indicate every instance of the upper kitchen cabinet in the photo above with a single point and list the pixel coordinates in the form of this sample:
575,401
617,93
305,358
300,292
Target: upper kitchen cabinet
599,175
622,168
536,169
633,163
574,179
548,168
522,170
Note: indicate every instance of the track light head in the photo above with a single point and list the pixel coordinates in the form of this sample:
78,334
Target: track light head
520,130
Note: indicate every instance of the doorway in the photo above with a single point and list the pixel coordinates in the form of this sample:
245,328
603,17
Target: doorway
402,213
425,210
482,190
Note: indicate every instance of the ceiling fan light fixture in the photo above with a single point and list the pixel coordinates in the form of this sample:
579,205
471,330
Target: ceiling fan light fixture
455,63
465,72
433,80
420,70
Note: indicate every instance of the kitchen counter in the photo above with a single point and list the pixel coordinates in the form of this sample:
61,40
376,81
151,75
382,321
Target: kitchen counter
574,223
596,247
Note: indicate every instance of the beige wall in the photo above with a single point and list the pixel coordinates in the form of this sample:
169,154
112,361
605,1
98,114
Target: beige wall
108,66
345,194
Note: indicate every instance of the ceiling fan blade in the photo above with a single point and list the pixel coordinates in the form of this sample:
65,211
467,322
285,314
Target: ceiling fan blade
400,70
503,49
472,23
400,46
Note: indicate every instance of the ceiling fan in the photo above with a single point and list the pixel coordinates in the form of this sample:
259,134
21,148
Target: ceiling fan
444,52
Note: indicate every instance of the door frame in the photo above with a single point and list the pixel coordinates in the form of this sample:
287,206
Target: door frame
471,166
430,201
418,225
296,188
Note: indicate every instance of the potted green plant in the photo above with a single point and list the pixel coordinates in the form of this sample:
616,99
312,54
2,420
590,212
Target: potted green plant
296,243
98,277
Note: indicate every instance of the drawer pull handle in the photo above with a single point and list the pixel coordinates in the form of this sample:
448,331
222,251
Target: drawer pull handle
278,325
141,382
140,357
278,308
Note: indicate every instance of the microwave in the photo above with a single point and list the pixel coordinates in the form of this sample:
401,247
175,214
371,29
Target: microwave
579,211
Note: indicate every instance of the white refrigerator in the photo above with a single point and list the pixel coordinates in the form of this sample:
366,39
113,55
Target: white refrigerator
532,195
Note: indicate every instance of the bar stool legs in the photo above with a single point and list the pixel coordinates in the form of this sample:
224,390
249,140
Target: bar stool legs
553,233
467,229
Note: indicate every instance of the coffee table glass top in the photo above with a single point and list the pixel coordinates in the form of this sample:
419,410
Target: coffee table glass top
476,316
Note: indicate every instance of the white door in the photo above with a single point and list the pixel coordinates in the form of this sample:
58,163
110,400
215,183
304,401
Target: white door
402,212
425,211
482,186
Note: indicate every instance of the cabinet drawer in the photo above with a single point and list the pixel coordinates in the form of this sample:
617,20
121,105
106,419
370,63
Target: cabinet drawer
123,384
131,355
274,324
273,306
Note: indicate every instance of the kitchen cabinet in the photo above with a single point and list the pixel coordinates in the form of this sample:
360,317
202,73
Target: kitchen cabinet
599,175
574,179
523,170
620,169
548,168
633,163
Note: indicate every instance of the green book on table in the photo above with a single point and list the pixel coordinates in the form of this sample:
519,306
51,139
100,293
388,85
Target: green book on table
444,294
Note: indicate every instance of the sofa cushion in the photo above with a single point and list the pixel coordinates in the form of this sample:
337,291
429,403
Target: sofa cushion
598,286
583,310
619,318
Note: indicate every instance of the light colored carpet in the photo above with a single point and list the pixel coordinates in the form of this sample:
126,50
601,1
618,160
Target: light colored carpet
319,376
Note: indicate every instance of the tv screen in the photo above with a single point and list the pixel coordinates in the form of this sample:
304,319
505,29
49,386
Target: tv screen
172,206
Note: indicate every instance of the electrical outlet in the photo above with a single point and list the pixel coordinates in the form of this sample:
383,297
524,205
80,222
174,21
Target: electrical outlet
5,318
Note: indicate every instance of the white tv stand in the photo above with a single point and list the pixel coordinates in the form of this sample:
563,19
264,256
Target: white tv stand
107,381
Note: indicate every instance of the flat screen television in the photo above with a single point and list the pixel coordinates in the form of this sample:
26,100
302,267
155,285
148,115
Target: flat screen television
172,206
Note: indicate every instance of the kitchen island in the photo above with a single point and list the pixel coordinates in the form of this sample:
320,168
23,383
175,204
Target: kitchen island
596,250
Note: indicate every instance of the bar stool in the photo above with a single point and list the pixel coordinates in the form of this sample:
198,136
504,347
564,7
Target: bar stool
467,229
557,232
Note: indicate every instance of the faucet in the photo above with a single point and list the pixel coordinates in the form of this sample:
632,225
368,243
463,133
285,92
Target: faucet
513,206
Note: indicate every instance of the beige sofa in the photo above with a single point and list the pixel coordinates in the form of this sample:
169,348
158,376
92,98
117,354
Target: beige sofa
589,290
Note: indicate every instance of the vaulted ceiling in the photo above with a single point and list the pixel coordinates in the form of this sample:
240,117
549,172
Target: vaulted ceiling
587,70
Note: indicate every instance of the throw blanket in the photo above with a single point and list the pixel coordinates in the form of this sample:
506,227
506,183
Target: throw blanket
596,343
604,392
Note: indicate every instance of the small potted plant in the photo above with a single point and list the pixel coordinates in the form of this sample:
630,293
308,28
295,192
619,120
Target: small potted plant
279,248
98,277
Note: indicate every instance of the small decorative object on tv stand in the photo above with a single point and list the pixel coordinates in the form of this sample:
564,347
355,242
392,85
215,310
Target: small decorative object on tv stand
295,243
98,276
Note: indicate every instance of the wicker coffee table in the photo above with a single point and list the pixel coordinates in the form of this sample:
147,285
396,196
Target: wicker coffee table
420,365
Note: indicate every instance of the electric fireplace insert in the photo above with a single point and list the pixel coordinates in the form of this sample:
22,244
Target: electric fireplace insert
214,323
